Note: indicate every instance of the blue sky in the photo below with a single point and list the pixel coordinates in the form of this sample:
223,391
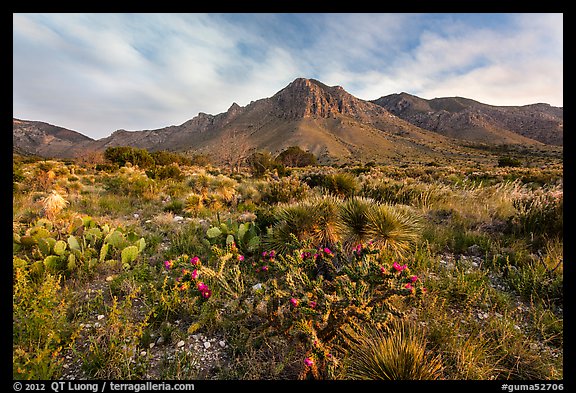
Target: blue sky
96,73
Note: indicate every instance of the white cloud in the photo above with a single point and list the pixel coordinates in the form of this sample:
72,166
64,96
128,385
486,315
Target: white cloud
100,72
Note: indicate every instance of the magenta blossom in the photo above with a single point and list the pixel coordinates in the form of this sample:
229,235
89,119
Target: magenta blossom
327,251
408,286
240,258
272,254
195,261
312,304
194,274
201,286
168,264
398,267
294,302
206,293
264,268
414,278
309,362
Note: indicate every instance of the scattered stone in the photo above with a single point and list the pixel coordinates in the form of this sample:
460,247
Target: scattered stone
97,324
180,344
178,218
152,345
160,340
143,353
136,215
100,317
109,278
207,344
222,343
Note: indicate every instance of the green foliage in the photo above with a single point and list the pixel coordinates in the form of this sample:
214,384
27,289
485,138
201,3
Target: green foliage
316,310
163,157
261,163
81,246
169,171
114,351
125,154
41,330
294,156
509,162
326,221
245,236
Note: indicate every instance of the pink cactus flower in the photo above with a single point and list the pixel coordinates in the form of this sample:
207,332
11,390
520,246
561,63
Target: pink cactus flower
294,302
264,268
414,278
312,304
240,258
206,293
195,261
308,362
168,264
398,267
327,251
194,274
408,286
201,286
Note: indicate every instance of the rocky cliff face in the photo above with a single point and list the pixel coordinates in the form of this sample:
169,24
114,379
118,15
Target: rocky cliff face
471,120
46,140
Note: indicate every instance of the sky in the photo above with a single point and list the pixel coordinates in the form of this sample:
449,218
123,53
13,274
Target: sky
97,73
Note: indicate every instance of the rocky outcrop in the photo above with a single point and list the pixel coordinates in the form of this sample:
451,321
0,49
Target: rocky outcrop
471,120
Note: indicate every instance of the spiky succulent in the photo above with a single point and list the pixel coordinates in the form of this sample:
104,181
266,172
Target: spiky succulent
398,353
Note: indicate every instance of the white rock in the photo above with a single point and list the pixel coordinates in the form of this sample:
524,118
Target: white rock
136,215
222,343
257,287
180,343
143,353
207,344
100,317
97,324
178,218
151,345
160,340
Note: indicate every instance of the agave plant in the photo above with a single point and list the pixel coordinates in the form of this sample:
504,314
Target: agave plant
396,354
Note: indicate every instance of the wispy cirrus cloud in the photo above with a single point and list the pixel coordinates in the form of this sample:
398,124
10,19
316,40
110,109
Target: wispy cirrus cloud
100,72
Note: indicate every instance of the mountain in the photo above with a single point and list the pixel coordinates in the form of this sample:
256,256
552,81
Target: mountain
328,121
467,119
46,140
338,127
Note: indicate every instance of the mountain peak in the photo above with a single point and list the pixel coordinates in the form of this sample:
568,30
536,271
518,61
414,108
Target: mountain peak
305,97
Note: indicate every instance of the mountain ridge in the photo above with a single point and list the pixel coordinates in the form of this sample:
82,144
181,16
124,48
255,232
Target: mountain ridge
334,125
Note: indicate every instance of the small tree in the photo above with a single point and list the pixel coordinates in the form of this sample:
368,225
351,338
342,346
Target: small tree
262,162
509,161
296,157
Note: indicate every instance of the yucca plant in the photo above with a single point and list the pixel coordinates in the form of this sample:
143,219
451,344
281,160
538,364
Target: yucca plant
396,354
393,227
353,223
314,219
193,204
